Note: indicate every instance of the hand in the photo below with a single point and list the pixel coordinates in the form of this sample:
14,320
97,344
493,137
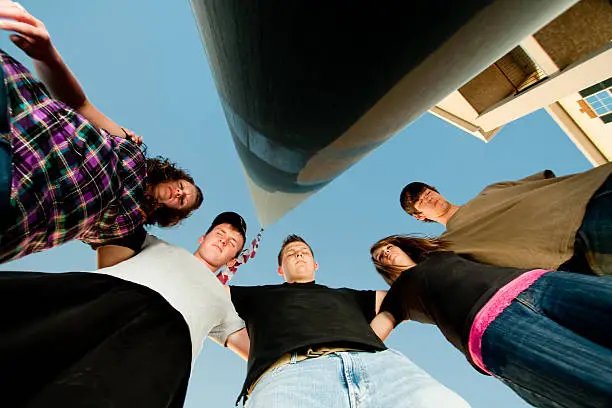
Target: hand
32,36
129,135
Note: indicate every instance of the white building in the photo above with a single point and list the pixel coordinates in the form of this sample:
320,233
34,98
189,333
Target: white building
565,68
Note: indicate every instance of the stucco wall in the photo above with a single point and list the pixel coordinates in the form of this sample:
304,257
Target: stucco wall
582,29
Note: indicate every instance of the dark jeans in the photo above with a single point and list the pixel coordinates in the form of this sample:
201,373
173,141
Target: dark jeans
5,155
5,182
593,245
553,344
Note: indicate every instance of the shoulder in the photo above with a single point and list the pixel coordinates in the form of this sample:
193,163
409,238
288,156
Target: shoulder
434,261
438,263
441,257
350,291
237,291
247,299
161,254
360,295
153,241
541,175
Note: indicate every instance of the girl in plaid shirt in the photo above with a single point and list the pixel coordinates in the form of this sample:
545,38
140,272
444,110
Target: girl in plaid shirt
69,171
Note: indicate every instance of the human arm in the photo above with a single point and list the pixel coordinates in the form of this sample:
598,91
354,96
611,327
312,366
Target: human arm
34,39
239,343
113,252
380,296
369,301
110,255
238,338
392,307
232,334
382,325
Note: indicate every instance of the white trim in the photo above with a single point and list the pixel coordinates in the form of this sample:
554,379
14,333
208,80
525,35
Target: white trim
463,124
576,134
539,55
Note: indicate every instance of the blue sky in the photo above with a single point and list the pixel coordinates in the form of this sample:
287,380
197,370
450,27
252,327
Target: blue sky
145,67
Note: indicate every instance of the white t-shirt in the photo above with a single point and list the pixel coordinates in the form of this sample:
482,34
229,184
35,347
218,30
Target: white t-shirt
187,284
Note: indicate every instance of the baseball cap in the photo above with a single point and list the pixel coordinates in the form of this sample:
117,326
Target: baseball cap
231,218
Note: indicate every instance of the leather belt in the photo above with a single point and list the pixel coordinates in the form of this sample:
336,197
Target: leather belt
299,356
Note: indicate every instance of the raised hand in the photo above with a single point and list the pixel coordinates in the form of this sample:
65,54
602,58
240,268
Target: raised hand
31,35
129,135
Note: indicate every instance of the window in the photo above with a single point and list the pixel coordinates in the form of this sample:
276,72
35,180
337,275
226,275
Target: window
600,102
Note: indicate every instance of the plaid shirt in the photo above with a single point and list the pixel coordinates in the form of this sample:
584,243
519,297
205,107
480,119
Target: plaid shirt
69,180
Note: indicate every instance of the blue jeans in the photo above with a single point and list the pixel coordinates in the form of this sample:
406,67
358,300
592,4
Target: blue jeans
5,178
553,344
5,155
352,379
593,245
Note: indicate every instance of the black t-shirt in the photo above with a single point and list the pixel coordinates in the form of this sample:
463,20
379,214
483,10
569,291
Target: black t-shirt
448,291
294,316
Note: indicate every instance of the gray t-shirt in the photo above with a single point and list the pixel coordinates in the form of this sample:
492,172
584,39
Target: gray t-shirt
187,284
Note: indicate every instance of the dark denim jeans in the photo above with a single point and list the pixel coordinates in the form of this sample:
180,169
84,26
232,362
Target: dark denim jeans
5,155
5,180
553,344
593,245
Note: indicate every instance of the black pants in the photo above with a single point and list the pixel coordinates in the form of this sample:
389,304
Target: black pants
88,340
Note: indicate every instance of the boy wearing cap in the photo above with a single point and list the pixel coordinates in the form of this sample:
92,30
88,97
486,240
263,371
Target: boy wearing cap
183,279
126,335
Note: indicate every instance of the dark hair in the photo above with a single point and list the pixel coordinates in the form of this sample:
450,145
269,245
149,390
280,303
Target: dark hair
410,195
159,170
417,248
233,227
289,240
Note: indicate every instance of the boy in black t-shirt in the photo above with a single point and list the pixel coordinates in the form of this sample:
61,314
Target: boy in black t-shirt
312,346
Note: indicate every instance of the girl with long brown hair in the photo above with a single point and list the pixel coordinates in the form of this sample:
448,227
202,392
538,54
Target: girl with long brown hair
546,334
